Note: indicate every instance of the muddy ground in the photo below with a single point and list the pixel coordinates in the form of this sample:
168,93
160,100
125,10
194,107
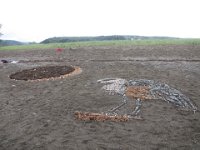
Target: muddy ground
40,115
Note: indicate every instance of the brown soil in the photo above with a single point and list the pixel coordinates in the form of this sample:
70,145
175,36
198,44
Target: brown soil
140,92
40,115
42,73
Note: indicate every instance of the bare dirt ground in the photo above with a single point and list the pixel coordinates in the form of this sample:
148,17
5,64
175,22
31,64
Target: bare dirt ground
40,115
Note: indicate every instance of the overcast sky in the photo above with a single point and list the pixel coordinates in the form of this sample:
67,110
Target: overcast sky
35,20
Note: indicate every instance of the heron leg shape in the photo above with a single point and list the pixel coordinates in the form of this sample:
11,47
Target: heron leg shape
119,106
137,107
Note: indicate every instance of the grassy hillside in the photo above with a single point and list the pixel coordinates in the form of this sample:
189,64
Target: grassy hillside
104,43
10,43
101,38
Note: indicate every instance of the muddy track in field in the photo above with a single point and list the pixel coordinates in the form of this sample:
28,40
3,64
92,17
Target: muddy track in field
112,60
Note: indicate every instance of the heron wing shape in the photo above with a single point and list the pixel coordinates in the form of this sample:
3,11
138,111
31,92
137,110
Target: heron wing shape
165,92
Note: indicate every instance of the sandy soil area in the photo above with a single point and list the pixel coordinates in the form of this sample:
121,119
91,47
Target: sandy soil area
40,115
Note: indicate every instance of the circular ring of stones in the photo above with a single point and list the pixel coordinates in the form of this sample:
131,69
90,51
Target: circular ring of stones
44,73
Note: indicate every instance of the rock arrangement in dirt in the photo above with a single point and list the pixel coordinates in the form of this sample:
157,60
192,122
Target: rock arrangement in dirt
45,73
143,89
158,90
87,116
138,90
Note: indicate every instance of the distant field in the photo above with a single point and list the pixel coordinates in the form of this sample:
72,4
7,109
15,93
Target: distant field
104,43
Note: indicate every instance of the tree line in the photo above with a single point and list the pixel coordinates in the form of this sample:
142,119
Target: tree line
98,38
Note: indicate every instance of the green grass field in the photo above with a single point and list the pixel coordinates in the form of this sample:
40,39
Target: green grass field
104,43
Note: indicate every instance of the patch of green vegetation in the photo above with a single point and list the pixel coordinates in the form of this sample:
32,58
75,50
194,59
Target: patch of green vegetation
104,43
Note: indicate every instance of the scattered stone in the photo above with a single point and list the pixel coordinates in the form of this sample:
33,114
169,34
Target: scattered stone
4,61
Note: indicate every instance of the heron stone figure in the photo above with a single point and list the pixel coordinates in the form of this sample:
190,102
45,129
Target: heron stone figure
142,89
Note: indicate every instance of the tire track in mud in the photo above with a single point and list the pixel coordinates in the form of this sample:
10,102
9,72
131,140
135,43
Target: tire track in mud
155,60
114,60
